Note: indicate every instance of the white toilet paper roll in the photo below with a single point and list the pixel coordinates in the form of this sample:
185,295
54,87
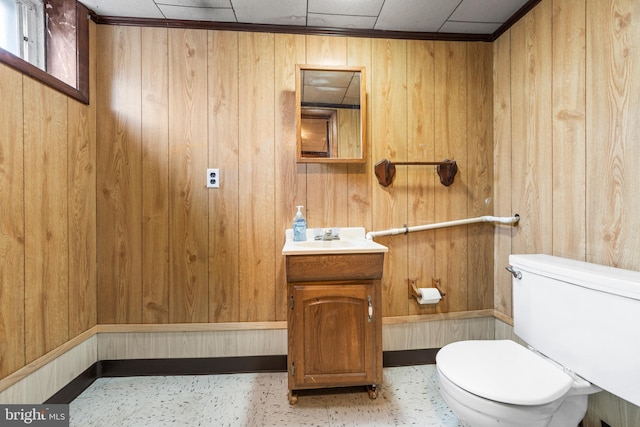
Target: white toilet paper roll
429,296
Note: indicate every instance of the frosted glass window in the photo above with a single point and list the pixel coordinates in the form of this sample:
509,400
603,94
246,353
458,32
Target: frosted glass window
22,33
9,26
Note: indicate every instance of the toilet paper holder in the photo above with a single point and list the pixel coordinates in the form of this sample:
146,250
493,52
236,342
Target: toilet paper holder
413,289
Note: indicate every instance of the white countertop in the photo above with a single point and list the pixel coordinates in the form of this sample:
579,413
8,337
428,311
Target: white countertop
352,241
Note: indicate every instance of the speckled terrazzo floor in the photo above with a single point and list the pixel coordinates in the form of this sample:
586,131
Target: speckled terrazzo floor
408,396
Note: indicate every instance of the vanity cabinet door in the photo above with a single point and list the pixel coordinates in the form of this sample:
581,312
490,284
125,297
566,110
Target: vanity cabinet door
334,339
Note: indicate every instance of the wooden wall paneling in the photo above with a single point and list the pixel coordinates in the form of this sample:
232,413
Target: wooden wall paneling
41,379
155,174
593,104
612,150
569,127
224,291
290,177
188,195
46,216
12,233
421,179
613,52
502,178
532,130
349,131
119,205
82,213
480,174
222,342
327,195
389,140
434,333
609,408
451,135
257,179
321,50
360,176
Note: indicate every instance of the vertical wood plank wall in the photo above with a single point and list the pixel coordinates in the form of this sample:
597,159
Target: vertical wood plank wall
566,144
12,233
170,250
47,218
155,176
188,217
46,236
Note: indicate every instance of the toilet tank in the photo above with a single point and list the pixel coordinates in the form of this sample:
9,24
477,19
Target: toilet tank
584,316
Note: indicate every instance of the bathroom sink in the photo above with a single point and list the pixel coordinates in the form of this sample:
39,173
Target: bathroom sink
352,241
321,244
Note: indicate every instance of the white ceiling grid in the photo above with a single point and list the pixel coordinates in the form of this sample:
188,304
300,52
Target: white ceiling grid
430,16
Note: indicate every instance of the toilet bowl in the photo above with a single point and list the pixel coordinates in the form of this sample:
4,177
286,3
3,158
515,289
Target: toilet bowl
578,317
501,383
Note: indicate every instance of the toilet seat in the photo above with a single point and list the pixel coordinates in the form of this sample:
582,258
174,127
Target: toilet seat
502,371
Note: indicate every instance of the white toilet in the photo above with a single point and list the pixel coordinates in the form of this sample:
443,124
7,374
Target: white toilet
580,321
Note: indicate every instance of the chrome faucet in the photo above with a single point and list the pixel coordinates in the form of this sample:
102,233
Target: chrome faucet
327,234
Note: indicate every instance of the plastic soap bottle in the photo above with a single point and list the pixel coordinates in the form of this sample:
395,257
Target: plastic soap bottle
299,226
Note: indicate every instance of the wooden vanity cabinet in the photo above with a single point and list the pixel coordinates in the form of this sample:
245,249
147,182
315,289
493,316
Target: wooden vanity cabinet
334,321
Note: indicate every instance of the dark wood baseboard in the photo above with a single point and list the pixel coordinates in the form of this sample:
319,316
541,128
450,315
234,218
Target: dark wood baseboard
208,366
192,366
79,384
409,357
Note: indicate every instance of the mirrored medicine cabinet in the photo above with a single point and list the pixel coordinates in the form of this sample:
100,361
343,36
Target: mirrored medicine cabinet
330,114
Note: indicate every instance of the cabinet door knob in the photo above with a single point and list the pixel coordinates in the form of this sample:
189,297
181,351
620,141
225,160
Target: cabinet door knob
370,308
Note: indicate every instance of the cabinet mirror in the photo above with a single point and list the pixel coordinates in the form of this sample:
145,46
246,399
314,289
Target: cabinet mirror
331,113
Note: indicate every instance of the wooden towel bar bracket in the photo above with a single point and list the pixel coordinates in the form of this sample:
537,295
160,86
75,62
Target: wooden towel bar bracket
413,289
385,170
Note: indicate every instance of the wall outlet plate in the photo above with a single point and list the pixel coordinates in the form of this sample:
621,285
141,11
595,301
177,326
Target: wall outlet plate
213,178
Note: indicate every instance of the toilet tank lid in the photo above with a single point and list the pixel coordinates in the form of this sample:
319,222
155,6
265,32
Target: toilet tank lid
616,281
503,371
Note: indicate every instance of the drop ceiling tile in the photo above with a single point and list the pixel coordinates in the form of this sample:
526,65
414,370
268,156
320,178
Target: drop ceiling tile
394,15
486,10
197,13
352,96
414,15
327,95
139,8
197,3
276,12
341,21
324,79
342,7
469,27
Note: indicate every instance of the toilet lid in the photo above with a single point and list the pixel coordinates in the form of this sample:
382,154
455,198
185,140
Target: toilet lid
503,371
